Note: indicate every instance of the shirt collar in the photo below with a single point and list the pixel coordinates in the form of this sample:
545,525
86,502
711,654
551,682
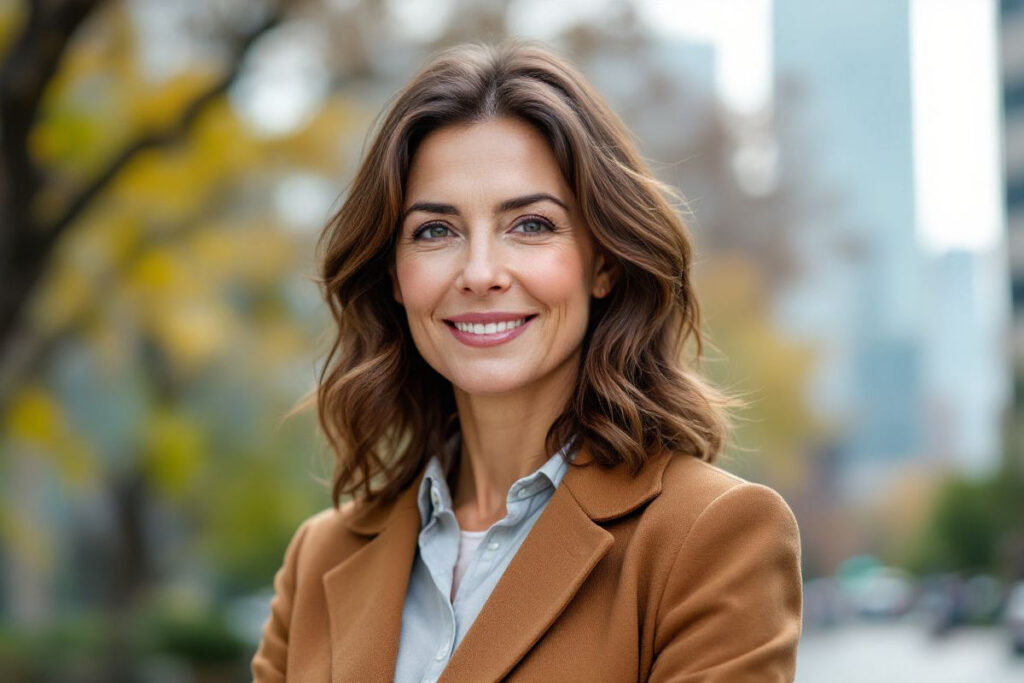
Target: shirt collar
548,474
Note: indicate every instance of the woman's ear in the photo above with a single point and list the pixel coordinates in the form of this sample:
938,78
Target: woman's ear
395,289
606,272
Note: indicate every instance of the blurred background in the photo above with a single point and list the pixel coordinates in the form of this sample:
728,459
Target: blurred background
855,173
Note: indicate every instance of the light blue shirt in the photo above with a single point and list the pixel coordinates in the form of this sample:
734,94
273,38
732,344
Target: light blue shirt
432,625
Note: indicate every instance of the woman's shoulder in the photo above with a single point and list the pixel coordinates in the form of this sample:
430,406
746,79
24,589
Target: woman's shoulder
726,549
324,538
696,493
352,515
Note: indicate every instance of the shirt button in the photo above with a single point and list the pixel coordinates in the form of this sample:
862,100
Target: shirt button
522,493
493,545
435,496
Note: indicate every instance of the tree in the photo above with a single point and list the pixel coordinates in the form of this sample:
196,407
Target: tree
29,232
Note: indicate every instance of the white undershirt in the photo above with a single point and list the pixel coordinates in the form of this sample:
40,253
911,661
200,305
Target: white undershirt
468,542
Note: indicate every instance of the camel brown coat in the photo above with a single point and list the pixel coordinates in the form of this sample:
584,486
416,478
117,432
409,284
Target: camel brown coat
682,573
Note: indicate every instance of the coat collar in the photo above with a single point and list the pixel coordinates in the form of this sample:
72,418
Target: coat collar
603,493
366,592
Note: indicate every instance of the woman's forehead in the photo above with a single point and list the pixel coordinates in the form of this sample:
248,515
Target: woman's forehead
497,158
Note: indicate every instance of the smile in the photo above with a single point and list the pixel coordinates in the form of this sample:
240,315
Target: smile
489,328
489,334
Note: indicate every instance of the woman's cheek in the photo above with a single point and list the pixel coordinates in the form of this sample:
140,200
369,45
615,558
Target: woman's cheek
422,282
560,275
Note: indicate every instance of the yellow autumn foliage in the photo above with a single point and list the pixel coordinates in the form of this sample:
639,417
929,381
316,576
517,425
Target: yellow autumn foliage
176,304
768,371
33,417
174,454
35,422
255,255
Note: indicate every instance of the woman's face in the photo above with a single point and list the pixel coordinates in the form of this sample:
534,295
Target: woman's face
491,240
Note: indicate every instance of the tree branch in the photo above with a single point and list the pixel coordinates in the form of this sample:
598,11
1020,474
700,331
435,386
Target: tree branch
26,70
25,245
154,139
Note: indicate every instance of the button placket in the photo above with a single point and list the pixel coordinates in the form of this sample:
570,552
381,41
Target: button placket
438,548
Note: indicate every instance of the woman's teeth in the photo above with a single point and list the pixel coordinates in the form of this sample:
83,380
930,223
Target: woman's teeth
489,328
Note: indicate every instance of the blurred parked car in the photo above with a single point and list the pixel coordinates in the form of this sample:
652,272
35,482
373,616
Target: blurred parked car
953,600
880,592
1013,615
825,605
943,603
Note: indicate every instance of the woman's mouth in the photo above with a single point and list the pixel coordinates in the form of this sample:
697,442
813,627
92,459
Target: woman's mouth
489,334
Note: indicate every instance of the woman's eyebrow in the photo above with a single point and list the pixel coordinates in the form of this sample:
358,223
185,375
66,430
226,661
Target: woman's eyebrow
507,205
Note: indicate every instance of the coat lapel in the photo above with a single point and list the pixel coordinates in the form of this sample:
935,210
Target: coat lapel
550,566
366,592
562,548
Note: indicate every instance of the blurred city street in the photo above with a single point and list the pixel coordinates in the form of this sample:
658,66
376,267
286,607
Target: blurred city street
851,176
887,652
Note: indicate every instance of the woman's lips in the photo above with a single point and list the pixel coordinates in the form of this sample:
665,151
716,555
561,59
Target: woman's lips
470,339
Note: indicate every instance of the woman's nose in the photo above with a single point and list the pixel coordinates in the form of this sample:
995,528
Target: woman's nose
483,269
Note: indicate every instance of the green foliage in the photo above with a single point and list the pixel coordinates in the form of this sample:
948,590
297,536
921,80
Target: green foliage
250,513
54,650
89,646
201,637
971,526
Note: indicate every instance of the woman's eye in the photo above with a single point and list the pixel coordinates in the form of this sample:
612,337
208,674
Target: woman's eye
431,231
438,231
534,225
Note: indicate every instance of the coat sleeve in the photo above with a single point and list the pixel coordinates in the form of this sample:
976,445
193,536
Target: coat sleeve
731,607
270,661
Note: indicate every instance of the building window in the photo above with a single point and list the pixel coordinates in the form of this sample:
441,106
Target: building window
1013,95
1017,291
1015,194
1010,6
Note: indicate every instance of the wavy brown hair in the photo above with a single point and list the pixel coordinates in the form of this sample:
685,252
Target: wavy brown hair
384,410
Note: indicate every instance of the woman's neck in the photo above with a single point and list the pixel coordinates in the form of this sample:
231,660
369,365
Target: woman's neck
503,439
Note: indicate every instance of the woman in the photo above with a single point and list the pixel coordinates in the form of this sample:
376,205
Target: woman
528,459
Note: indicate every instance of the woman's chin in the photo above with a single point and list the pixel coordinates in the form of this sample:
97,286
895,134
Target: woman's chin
485,383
